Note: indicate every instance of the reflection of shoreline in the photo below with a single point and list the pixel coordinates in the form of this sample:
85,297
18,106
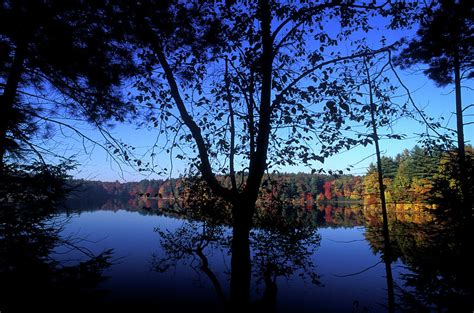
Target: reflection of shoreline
316,215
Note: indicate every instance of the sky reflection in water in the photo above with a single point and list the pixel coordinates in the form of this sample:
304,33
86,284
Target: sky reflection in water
136,244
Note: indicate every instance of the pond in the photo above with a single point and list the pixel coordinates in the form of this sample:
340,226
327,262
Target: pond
116,256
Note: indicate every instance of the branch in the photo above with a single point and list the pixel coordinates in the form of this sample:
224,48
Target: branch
33,148
309,12
336,60
314,9
360,272
469,106
205,167
250,103
232,128
81,134
215,282
409,95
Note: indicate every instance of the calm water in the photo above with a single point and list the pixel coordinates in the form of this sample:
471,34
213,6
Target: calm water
167,262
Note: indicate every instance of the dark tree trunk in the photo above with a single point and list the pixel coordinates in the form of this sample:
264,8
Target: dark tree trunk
258,163
460,132
387,253
8,98
383,202
241,268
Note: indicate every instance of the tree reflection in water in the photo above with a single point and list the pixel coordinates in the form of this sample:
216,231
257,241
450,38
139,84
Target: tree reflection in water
32,270
245,266
264,253
437,262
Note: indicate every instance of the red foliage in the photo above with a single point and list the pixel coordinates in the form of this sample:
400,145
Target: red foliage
327,213
320,196
149,190
327,190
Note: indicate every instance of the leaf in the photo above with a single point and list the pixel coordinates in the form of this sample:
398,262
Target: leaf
344,106
331,105
319,158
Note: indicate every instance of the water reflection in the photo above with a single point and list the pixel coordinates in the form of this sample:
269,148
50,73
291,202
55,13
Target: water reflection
39,266
264,255
291,260
436,259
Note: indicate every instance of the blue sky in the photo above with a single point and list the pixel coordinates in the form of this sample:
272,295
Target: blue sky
436,102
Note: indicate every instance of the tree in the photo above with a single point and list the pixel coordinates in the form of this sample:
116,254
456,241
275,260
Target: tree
241,88
389,167
445,43
402,181
251,86
59,57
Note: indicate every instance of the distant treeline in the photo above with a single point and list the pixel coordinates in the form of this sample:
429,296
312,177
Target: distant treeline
415,175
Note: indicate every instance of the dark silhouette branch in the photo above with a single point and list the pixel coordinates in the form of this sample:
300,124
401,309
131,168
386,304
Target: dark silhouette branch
205,166
303,75
82,135
212,277
308,12
360,272
232,128
428,124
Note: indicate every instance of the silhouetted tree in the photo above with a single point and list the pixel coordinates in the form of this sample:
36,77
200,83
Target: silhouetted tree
279,249
62,58
240,83
445,43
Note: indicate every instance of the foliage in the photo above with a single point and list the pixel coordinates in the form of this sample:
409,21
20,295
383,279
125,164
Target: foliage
251,86
61,62
446,189
415,174
445,33
44,185
436,255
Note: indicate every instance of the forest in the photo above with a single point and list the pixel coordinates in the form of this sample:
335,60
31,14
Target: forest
413,176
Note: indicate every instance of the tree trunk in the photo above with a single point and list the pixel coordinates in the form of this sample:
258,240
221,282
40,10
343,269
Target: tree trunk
258,162
241,268
387,253
387,258
373,110
8,98
460,132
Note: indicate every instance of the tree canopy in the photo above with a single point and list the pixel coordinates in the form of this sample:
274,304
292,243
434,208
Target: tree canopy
446,33
60,59
252,86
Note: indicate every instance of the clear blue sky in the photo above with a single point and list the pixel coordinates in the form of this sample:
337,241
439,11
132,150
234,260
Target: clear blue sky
437,102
